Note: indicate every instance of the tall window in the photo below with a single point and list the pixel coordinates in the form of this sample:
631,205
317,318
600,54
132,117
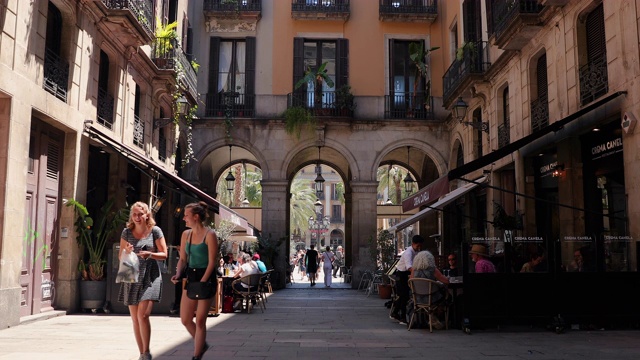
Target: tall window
477,137
504,128
105,101
593,48
540,106
138,123
231,67
310,55
406,85
56,69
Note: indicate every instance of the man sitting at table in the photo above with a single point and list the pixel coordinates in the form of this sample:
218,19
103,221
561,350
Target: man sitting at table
403,270
247,267
261,266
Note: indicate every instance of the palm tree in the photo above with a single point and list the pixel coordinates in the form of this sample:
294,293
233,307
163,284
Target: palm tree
253,191
302,199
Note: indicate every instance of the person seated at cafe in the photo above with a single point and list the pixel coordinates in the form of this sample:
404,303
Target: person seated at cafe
234,264
451,269
480,256
424,267
261,266
535,258
220,268
581,261
403,270
247,267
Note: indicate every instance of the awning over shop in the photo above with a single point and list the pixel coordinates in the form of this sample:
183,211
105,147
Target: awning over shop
438,205
224,212
518,144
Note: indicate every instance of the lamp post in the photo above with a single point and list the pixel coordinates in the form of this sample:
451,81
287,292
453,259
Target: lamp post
230,179
459,112
319,225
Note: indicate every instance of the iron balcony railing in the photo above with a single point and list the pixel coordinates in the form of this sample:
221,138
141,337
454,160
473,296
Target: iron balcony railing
323,6
337,220
407,105
474,60
230,104
504,134
408,7
56,75
141,9
320,104
594,80
233,6
105,109
539,113
167,54
504,12
138,131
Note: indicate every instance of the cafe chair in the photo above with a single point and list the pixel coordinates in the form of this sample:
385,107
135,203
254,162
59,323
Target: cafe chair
365,280
422,293
265,284
250,293
347,275
394,294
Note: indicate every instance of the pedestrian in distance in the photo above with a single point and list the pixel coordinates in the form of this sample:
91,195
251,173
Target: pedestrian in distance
311,259
142,237
339,262
327,260
198,249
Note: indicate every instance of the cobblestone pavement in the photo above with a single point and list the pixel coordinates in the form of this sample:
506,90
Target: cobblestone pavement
306,323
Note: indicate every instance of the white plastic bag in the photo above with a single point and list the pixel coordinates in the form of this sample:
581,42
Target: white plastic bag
129,268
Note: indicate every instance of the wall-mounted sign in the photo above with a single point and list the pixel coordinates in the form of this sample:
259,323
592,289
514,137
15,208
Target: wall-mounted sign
427,194
628,123
606,148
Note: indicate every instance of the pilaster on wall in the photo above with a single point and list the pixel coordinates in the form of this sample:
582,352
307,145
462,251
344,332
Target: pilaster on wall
362,217
274,222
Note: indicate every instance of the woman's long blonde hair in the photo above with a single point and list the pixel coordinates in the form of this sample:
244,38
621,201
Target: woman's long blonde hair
145,208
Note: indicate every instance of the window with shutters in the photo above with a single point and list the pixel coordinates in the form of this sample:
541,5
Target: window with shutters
56,68
309,56
138,123
105,100
407,91
162,145
593,56
477,134
231,77
504,130
540,89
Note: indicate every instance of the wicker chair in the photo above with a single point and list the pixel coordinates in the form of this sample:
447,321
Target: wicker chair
422,289
251,292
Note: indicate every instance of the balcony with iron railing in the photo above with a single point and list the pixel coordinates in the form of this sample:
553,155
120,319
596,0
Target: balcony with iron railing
136,16
56,75
337,220
167,54
320,9
539,113
233,9
323,104
423,11
230,104
408,105
105,109
504,134
594,80
515,22
465,70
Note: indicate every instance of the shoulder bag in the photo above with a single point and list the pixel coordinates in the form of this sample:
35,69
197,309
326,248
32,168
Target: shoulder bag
198,290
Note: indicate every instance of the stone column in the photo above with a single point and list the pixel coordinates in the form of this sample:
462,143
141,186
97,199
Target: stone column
360,226
274,225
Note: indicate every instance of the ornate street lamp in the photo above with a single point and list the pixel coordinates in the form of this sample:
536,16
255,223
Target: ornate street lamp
408,180
230,179
319,181
319,225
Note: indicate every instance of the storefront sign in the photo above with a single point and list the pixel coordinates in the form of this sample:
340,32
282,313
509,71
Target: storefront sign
628,123
427,194
606,148
547,169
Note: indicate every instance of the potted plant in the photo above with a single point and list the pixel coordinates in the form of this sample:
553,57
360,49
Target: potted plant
383,251
165,36
345,100
92,237
418,55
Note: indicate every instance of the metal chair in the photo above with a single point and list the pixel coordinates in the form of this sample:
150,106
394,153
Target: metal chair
394,294
422,292
376,279
265,285
365,280
347,275
251,292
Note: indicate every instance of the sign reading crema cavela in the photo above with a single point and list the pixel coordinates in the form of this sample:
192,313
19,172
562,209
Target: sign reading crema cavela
427,194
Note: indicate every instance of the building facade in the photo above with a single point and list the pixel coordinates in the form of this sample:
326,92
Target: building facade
526,171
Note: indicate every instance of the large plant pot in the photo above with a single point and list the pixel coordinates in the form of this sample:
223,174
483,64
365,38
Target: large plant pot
384,290
93,294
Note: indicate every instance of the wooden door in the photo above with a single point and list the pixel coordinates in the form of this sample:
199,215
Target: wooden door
41,219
